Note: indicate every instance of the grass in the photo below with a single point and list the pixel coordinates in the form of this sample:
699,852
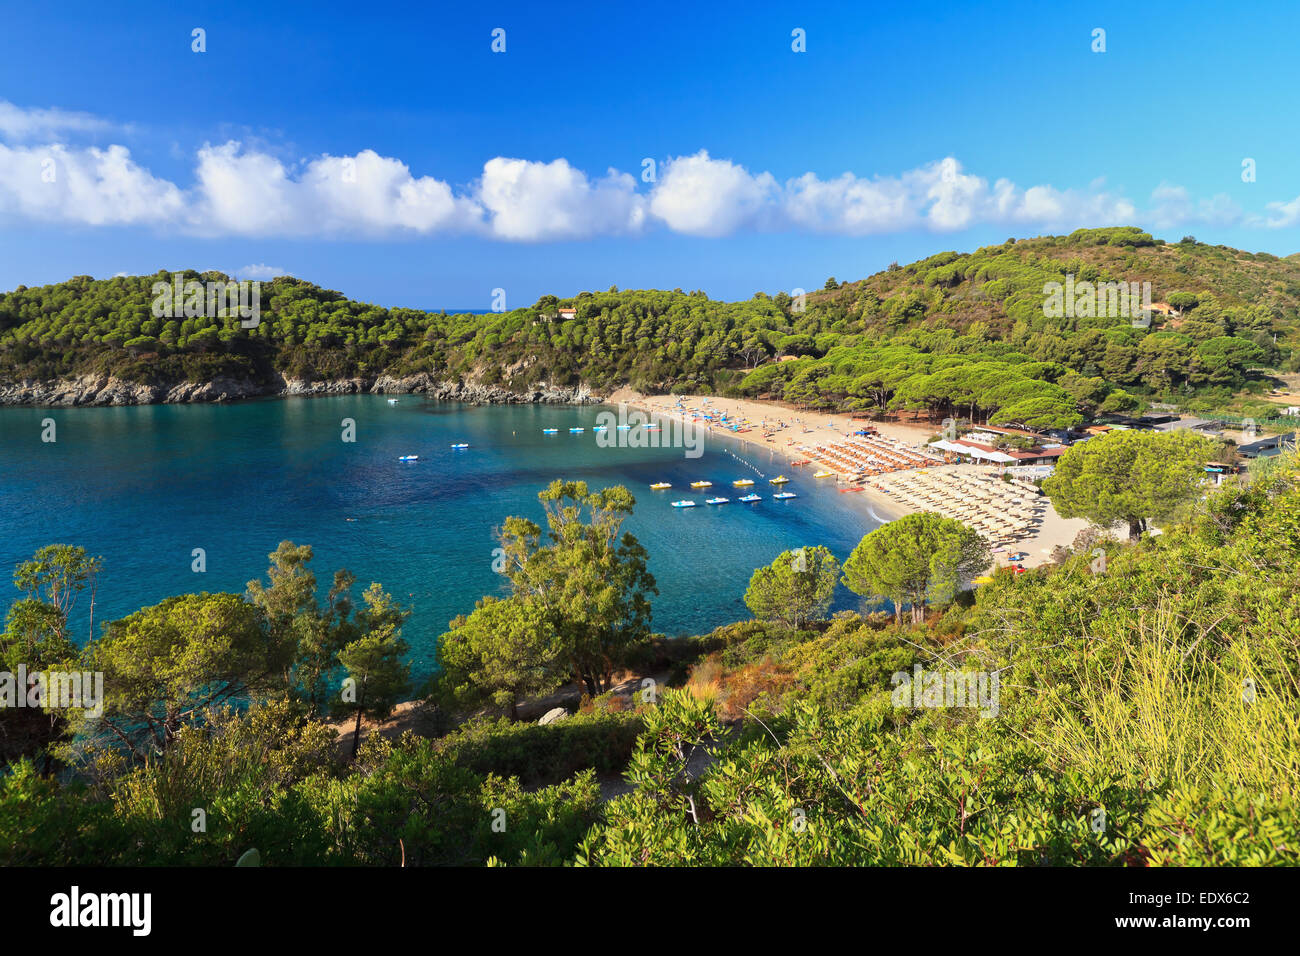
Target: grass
1189,711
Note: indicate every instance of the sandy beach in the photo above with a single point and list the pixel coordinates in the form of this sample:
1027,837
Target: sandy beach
959,490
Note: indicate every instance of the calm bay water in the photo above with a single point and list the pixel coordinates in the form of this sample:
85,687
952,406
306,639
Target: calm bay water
144,486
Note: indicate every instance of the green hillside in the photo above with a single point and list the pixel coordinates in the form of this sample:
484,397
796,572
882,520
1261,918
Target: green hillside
949,332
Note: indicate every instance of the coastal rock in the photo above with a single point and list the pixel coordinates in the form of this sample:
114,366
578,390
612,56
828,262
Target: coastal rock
343,386
553,715
107,390
389,384
479,394
82,390
218,390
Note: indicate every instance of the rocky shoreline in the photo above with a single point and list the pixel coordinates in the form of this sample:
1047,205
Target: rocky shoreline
103,390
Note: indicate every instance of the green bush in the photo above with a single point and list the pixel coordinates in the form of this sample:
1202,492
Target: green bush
537,753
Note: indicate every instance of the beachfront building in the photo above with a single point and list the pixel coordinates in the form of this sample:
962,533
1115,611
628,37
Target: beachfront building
1092,431
1145,422
1201,426
1046,455
981,432
1266,447
1154,419
976,452
980,447
1216,471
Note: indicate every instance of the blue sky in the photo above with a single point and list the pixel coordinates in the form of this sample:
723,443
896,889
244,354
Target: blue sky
388,153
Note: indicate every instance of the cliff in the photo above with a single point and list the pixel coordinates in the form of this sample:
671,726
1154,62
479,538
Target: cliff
91,390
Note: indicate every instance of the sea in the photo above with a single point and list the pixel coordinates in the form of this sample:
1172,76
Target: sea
152,489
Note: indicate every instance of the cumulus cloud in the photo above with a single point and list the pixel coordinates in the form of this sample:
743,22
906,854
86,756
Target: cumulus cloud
1061,207
700,196
241,191
848,204
94,187
535,201
706,196
254,194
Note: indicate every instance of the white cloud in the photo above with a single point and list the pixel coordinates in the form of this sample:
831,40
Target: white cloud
252,193
700,196
849,205
953,199
94,187
248,194
705,196
1173,206
245,191
258,271
17,123
1282,215
376,194
534,201
1071,208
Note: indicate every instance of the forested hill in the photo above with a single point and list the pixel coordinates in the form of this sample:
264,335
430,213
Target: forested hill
950,333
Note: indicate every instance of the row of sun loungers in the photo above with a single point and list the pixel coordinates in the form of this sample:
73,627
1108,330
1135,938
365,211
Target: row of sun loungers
861,457
1000,511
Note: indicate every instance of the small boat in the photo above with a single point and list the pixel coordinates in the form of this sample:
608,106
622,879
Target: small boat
779,480
392,401
600,428
651,428
684,504
752,498
660,486
409,458
743,482
716,501
462,444
845,491
550,431
783,495
824,473
701,484
574,431
624,428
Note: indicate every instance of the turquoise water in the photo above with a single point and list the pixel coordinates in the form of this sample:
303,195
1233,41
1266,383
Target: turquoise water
144,486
